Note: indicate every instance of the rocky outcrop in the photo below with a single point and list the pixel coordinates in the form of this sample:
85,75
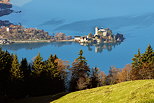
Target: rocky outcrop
5,9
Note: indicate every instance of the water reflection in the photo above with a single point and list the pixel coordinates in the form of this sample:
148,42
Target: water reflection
100,47
31,46
18,46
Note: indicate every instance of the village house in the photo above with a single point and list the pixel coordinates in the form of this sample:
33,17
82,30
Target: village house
83,39
77,38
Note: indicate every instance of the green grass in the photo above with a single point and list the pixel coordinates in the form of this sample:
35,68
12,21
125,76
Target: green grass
141,91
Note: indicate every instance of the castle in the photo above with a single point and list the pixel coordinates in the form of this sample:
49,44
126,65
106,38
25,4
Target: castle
104,32
101,36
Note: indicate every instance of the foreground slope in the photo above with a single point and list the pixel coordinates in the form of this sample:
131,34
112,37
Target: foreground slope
141,91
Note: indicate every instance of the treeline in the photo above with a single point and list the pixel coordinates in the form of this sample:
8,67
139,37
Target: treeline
18,80
51,76
83,77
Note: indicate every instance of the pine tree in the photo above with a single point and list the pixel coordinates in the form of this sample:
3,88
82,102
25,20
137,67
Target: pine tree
5,67
147,63
80,73
24,67
136,66
25,85
143,65
38,65
15,71
52,65
55,74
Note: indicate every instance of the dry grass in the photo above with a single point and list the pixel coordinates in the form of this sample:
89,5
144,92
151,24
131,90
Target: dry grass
141,91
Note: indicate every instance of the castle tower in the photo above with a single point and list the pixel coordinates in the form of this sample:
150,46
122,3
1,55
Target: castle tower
96,30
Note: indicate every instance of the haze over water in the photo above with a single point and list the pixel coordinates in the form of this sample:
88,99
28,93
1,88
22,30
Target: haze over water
133,18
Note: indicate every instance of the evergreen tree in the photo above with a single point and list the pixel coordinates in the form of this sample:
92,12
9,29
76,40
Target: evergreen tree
80,73
15,87
38,65
147,63
136,66
15,71
5,66
55,76
148,55
52,65
25,68
143,65
46,77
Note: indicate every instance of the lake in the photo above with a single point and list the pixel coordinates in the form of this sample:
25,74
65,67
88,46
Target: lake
134,19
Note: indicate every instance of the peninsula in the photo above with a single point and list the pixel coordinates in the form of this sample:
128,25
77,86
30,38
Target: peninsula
19,34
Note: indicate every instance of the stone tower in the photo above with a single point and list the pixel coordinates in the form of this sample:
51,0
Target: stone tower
96,30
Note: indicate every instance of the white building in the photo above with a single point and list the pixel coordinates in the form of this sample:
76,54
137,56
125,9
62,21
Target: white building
104,31
7,29
77,38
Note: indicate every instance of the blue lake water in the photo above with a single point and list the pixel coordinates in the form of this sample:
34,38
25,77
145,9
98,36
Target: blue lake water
133,18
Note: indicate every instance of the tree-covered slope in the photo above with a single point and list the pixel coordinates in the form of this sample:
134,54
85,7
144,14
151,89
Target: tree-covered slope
140,91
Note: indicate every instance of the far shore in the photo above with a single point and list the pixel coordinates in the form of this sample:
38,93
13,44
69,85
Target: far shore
64,40
41,41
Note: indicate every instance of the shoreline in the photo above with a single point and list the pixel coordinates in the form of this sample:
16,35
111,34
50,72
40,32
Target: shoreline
45,41
31,41
41,41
